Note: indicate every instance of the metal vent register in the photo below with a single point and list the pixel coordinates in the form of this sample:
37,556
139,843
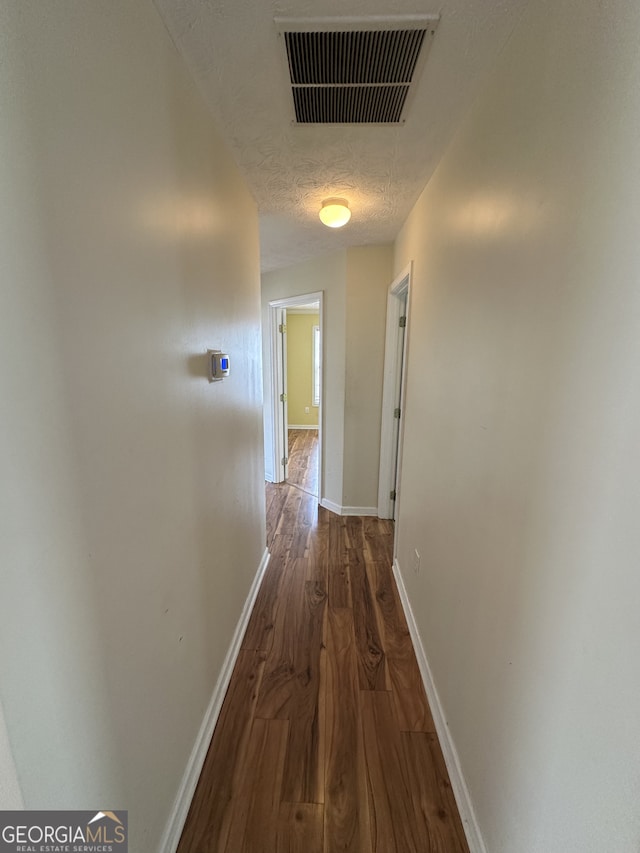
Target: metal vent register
354,76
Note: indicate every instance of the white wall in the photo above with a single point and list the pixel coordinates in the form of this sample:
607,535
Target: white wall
522,460
131,497
369,274
355,283
10,793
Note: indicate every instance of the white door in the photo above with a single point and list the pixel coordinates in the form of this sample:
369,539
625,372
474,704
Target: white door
393,402
397,409
282,413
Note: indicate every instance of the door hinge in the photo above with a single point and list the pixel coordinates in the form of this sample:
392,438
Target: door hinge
392,494
283,398
403,321
282,328
285,460
396,413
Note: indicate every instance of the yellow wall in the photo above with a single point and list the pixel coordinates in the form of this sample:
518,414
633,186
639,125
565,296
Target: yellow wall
300,369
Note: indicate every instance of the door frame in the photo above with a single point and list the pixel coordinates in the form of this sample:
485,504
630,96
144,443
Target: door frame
391,462
278,429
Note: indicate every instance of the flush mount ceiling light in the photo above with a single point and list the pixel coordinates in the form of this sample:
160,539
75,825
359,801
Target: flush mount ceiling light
335,212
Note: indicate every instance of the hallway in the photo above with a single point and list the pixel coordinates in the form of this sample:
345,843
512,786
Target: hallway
156,199
302,469
325,741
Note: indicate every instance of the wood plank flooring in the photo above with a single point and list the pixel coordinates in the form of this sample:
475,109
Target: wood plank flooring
325,742
302,470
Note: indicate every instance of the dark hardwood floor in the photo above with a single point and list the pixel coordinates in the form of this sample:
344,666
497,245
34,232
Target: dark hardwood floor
302,470
325,742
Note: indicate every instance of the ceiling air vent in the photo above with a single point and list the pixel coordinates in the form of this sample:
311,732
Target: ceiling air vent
355,71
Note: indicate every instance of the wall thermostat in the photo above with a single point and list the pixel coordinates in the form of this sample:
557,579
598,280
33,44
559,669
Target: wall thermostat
218,365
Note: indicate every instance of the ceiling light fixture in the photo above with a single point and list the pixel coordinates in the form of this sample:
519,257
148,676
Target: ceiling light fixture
335,212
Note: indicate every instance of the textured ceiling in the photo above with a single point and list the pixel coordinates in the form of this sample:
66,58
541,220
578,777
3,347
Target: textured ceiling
233,51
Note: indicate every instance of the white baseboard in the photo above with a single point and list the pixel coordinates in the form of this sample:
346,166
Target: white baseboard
302,426
178,815
458,784
360,510
348,510
327,504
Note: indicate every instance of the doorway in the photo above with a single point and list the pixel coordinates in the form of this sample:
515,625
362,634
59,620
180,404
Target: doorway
393,395
296,400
